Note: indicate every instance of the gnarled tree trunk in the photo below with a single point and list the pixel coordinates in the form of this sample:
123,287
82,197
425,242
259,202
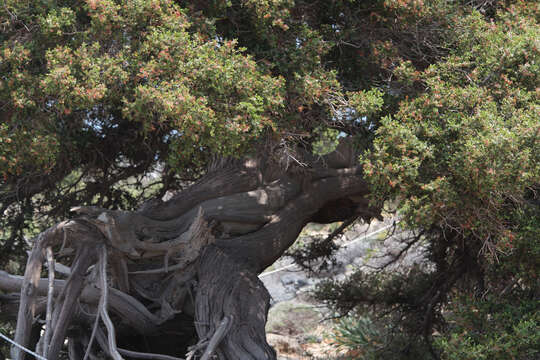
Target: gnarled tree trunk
178,279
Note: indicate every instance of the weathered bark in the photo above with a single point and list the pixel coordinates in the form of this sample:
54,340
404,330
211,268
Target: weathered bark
227,290
195,256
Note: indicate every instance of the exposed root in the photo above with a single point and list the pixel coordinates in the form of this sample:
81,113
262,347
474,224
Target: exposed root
93,334
217,337
43,344
66,309
27,307
111,334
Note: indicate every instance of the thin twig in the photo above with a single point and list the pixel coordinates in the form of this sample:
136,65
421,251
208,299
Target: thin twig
14,16
100,336
193,349
27,303
159,270
96,323
111,337
50,294
37,356
65,310
93,335
340,229
219,334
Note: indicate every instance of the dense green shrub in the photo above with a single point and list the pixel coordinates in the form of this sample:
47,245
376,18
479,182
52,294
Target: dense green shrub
462,160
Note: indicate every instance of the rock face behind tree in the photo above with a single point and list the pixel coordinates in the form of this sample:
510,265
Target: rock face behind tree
188,264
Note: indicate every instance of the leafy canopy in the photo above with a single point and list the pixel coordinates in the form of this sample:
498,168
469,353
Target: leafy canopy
99,95
466,152
85,70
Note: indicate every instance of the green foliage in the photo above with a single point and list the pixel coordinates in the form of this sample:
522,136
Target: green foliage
327,141
367,103
373,337
503,322
118,90
111,102
354,333
122,61
461,158
490,313
460,154
483,331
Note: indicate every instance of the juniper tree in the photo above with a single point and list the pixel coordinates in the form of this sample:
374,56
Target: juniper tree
187,143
